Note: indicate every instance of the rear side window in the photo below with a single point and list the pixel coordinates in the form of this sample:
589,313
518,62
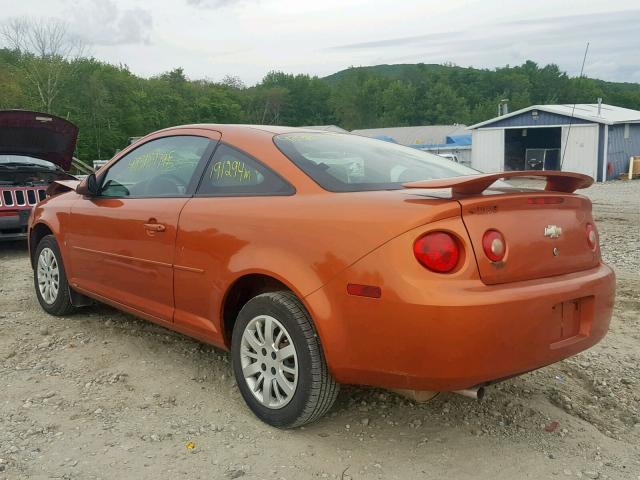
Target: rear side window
350,163
234,173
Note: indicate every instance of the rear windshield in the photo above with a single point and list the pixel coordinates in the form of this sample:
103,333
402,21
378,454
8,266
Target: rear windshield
350,163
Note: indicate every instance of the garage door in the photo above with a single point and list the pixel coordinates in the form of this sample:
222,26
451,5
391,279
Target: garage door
581,152
487,151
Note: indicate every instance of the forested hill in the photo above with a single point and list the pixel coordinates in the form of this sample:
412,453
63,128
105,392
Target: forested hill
475,93
400,71
412,71
110,104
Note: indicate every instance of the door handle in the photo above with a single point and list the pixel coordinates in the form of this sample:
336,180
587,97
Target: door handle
154,227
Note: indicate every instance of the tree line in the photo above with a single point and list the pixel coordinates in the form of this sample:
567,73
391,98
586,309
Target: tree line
110,104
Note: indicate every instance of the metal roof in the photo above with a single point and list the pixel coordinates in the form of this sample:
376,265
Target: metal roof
609,114
386,138
414,135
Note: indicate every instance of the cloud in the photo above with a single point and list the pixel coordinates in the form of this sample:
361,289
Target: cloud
323,37
597,26
214,3
396,42
613,38
102,22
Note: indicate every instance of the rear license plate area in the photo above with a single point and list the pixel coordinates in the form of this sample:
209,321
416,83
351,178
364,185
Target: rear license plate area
571,320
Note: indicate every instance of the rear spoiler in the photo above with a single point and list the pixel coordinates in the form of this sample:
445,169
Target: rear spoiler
566,182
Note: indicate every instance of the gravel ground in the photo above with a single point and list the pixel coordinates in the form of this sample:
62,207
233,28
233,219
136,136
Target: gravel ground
104,395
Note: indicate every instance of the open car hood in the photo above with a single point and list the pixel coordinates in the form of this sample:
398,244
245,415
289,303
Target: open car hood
38,135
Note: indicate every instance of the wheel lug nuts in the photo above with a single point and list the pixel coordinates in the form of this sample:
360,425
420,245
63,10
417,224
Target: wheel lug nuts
273,371
263,367
273,355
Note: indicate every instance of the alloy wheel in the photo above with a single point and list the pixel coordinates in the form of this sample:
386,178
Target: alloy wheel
48,276
269,361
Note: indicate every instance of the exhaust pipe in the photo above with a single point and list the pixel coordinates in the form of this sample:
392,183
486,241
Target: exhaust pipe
473,392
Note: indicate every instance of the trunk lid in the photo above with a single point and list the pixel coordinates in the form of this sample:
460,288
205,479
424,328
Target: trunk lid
545,234
545,231
38,135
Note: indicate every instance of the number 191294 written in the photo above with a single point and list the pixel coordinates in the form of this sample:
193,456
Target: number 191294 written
234,169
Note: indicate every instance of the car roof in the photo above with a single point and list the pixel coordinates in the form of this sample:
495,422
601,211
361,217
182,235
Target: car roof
275,129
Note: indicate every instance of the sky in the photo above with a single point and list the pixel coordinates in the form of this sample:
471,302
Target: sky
248,38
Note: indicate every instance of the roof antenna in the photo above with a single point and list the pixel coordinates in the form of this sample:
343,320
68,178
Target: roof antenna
566,142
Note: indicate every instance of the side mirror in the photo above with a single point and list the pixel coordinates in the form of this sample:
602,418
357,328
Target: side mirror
89,186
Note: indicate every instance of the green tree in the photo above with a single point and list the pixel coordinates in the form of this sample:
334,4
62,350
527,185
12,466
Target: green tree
110,104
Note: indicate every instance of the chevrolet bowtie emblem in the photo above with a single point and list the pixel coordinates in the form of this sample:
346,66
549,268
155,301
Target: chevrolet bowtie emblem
552,231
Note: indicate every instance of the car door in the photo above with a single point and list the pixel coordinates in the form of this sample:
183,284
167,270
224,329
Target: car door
213,229
121,241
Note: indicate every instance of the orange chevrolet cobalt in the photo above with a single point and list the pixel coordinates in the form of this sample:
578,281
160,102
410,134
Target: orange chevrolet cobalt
321,258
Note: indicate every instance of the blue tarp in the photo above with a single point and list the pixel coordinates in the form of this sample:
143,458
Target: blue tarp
452,141
385,138
462,140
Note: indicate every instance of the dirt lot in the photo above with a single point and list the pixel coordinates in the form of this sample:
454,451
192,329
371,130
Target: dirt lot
104,395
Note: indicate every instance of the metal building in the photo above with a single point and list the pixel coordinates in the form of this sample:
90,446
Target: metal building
594,139
428,134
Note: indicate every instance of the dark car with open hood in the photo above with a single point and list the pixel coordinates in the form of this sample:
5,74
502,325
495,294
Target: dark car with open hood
36,149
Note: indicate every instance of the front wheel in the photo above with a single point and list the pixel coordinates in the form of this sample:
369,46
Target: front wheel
278,362
50,279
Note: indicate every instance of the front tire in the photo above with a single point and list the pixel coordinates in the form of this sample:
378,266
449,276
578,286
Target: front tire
278,362
50,279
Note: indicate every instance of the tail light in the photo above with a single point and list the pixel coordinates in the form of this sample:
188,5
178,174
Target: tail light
494,245
592,236
437,251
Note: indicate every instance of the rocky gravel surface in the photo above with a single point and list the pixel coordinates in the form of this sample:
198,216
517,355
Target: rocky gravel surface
104,395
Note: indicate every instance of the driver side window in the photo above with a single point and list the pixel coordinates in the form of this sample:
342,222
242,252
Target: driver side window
160,168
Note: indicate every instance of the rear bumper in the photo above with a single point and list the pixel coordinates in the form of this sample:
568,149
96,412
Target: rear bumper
461,333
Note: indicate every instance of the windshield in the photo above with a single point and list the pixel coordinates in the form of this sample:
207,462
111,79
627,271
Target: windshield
20,160
350,163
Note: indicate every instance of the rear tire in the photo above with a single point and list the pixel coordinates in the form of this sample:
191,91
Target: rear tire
278,362
50,279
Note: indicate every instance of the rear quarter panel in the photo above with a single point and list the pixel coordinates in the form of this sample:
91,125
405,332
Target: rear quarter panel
364,335
302,240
